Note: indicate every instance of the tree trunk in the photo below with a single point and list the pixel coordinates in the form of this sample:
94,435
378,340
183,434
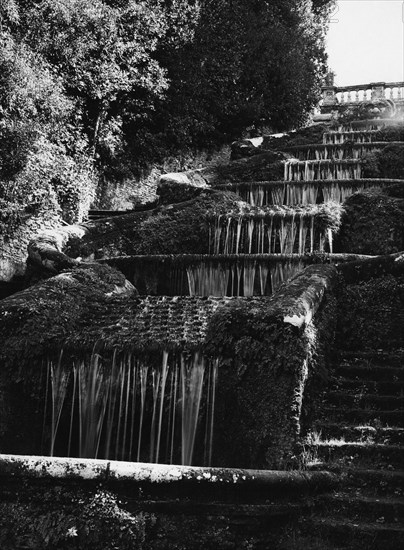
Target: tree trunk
102,111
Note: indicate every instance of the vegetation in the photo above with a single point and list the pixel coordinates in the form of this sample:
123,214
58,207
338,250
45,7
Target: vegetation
370,314
372,223
96,91
69,519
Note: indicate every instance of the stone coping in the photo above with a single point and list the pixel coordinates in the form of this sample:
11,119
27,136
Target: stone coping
189,259
302,183
356,145
96,470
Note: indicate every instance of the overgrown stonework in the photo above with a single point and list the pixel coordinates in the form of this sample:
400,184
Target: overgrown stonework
276,354
373,223
270,349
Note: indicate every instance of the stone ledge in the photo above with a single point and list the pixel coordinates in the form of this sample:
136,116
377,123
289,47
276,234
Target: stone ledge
81,469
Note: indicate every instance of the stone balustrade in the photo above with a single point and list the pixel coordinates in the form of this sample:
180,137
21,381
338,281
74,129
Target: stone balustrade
333,95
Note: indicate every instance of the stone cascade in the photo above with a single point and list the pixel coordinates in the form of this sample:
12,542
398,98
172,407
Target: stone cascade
278,193
252,252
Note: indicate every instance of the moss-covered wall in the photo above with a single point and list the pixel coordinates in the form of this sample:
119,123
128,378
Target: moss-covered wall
174,229
268,349
388,162
373,223
371,314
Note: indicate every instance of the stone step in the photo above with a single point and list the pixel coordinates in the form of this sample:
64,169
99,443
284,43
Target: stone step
367,480
375,482
336,151
359,507
382,418
350,535
380,387
394,358
366,455
371,372
354,433
367,400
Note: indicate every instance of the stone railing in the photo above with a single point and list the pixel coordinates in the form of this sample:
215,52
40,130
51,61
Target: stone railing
333,95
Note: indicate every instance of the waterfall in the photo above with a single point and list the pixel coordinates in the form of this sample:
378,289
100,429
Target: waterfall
357,136
59,382
134,409
273,233
243,277
310,170
277,195
206,279
93,392
192,375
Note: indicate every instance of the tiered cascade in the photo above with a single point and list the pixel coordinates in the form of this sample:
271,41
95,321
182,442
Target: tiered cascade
252,252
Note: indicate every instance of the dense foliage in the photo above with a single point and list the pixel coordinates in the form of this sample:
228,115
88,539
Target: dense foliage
68,519
97,90
251,64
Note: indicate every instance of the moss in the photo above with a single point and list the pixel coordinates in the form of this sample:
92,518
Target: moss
175,229
170,192
264,363
268,166
386,163
35,322
303,136
389,134
372,223
183,229
370,314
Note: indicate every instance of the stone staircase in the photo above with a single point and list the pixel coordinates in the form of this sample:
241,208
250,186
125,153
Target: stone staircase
359,430
360,435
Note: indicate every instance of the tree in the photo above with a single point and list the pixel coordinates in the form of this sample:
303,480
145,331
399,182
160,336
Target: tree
251,63
103,51
43,149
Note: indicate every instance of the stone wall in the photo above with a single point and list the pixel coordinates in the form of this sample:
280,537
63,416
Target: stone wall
270,349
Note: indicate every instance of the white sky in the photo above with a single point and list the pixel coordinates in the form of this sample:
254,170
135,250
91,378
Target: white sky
365,41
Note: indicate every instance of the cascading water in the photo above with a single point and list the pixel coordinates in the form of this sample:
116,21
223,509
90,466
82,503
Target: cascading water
334,151
269,234
310,170
357,136
127,409
260,194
